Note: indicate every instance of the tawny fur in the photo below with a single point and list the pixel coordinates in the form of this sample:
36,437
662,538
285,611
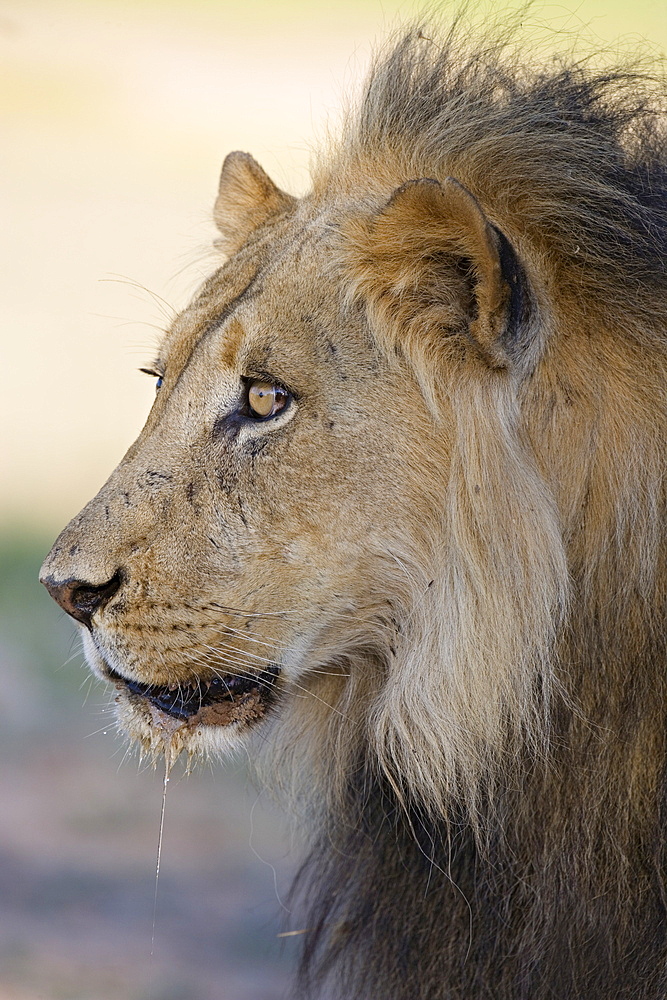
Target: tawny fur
453,543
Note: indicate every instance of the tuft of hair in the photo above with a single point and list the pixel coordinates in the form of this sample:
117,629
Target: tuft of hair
570,155
491,784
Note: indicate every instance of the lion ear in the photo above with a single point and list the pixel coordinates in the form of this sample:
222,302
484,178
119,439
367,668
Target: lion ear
247,198
435,265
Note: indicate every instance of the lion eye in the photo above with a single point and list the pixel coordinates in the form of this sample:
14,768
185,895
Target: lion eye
265,399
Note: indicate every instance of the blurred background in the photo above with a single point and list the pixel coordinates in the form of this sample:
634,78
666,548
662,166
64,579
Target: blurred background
114,120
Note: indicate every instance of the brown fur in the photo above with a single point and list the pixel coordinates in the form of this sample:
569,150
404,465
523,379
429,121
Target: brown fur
451,544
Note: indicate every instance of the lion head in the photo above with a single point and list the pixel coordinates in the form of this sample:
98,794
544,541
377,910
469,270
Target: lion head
395,521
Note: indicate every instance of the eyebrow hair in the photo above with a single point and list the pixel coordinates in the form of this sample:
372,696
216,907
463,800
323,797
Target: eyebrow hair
215,324
248,293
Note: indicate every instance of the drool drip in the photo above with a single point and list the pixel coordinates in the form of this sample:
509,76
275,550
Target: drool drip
169,758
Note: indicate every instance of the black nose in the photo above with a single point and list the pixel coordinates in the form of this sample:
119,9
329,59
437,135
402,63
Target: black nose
80,599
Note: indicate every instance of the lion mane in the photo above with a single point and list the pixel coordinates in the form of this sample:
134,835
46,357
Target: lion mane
482,762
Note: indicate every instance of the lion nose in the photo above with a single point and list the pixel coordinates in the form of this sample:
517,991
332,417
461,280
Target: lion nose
80,599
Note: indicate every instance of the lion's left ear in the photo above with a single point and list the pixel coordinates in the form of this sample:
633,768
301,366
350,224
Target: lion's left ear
247,198
433,265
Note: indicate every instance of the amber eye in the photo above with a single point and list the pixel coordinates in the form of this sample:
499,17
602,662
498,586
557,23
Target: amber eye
265,399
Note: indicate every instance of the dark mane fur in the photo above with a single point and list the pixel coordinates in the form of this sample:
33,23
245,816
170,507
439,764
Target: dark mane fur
573,155
557,888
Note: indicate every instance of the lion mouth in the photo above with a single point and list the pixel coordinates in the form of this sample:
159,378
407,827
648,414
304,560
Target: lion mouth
217,701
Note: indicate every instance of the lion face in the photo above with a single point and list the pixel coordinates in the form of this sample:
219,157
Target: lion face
308,509
238,545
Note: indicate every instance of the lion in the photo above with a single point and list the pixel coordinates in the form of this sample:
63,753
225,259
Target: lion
396,524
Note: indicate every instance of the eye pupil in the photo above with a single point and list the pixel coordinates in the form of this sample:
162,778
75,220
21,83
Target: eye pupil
265,399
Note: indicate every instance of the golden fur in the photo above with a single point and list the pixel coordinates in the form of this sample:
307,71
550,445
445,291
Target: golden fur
448,550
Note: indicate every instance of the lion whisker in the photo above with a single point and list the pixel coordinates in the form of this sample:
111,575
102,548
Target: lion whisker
226,630
246,673
253,656
168,311
375,621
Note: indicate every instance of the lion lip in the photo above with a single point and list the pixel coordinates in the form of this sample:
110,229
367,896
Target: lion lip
187,701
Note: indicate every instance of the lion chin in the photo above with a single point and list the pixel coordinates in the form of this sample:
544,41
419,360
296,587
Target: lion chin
192,720
396,525
200,719
204,718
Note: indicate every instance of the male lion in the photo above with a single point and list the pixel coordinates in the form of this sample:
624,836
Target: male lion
397,522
